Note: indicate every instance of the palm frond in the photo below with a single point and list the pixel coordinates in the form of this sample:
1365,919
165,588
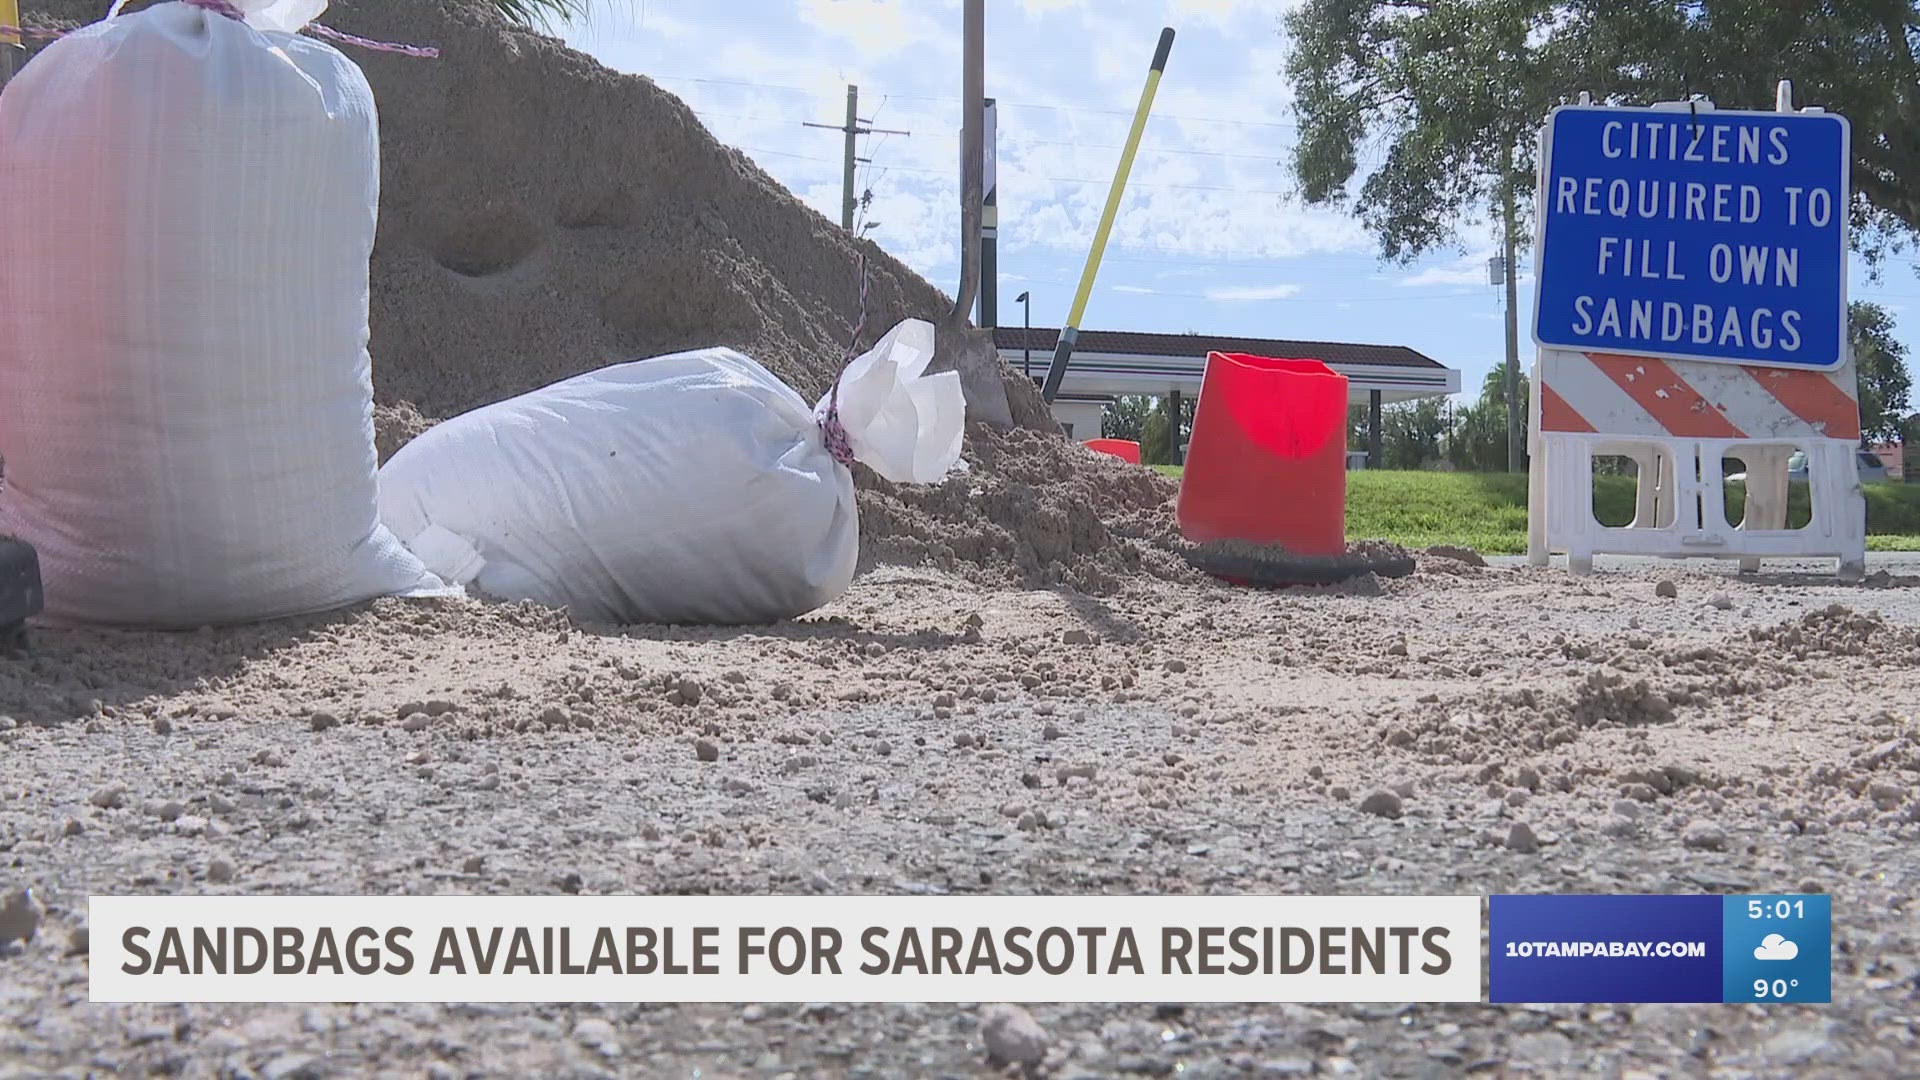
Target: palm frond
543,14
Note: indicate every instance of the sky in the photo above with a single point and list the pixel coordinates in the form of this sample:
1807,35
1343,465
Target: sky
1209,238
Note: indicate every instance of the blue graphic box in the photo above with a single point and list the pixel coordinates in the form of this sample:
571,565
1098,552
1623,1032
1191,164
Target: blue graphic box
1778,948
1703,235
1701,949
1529,936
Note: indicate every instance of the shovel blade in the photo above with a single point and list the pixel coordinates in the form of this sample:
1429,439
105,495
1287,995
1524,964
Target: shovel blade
982,373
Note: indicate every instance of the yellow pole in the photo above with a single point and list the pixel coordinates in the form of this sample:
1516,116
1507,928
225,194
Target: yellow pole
1071,331
9,16
1120,179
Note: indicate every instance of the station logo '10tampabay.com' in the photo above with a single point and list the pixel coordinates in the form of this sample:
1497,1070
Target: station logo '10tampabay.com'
1523,949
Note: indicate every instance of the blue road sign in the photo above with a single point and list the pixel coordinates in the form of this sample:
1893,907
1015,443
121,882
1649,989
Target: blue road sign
1697,235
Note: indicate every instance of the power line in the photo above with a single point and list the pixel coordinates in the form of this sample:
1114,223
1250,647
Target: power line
1019,142
783,153
1126,255
872,174
1265,299
1121,254
1047,179
1011,104
1285,125
1014,140
1147,149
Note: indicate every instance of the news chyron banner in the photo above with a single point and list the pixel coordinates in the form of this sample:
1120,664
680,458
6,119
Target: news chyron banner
1691,949
1759,949
785,948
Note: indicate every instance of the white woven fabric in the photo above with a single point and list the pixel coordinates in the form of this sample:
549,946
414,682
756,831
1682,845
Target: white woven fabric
691,488
185,390
283,16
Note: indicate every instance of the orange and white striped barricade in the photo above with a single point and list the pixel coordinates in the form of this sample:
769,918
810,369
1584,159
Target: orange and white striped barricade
1677,420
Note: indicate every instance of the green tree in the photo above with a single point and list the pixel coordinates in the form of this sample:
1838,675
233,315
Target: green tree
1439,93
1156,432
1478,442
1411,433
1156,447
1124,417
1880,363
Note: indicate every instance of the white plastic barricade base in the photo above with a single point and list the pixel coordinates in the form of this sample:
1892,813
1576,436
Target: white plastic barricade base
1680,509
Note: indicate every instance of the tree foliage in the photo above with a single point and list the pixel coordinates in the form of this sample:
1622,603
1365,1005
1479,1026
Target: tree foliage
1430,95
1157,433
1880,363
1358,424
1125,416
1478,442
1156,446
1412,433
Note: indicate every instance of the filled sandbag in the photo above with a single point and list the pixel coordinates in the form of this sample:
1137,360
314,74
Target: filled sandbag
690,488
187,209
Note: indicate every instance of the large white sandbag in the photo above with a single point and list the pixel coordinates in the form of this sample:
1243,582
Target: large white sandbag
691,488
187,208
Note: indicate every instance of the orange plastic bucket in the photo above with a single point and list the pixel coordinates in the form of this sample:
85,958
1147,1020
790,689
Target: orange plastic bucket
1124,449
1267,461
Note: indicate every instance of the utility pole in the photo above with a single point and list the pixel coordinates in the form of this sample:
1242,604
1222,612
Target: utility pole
1514,441
853,129
846,177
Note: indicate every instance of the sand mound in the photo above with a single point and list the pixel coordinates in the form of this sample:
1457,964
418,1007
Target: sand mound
542,216
1033,509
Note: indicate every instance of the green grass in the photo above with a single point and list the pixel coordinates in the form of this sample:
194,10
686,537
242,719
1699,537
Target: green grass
1488,511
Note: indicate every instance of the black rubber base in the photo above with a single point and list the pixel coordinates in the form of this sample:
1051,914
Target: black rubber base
20,596
1275,568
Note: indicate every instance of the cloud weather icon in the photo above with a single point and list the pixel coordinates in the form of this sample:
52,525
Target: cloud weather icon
1775,947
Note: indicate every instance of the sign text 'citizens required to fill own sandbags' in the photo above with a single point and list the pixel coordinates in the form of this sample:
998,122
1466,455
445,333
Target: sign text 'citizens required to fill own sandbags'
1695,234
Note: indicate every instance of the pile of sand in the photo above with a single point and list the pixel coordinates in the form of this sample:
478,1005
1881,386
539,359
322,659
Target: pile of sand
1032,508
542,215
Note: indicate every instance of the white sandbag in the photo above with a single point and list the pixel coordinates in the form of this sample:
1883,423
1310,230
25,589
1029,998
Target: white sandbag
691,488
187,208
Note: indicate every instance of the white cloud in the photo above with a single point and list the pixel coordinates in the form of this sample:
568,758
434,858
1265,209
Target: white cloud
1253,292
881,26
1775,947
1135,289
1469,269
1466,270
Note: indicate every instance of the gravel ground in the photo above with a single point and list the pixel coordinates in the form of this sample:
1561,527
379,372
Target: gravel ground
1464,730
